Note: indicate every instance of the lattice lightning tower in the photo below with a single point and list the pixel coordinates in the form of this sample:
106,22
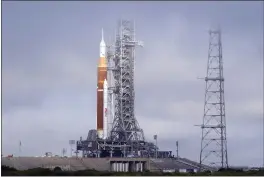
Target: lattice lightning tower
125,126
213,143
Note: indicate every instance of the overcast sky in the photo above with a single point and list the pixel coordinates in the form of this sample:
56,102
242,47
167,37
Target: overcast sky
49,56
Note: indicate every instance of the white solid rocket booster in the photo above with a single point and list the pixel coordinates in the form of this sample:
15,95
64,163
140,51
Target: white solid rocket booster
105,129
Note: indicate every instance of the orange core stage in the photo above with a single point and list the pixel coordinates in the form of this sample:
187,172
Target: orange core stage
101,76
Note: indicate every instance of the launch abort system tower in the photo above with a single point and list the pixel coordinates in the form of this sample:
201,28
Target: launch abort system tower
213,142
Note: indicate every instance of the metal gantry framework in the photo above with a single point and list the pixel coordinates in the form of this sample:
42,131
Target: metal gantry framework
125,126
110,102
213,143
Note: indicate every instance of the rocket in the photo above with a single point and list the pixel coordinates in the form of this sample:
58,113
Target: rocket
102,91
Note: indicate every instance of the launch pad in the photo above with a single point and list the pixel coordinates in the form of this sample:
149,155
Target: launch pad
118,133
95,147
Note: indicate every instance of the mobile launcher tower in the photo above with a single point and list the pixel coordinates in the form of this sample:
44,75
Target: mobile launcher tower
118,133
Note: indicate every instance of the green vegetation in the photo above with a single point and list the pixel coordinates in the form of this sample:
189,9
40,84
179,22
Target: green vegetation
7,171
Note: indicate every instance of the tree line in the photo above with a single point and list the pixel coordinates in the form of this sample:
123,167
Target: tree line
8,171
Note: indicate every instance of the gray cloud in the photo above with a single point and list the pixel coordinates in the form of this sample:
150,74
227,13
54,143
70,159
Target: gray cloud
49,72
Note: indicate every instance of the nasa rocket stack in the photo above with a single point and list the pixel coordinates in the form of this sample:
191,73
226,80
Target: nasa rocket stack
102,91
